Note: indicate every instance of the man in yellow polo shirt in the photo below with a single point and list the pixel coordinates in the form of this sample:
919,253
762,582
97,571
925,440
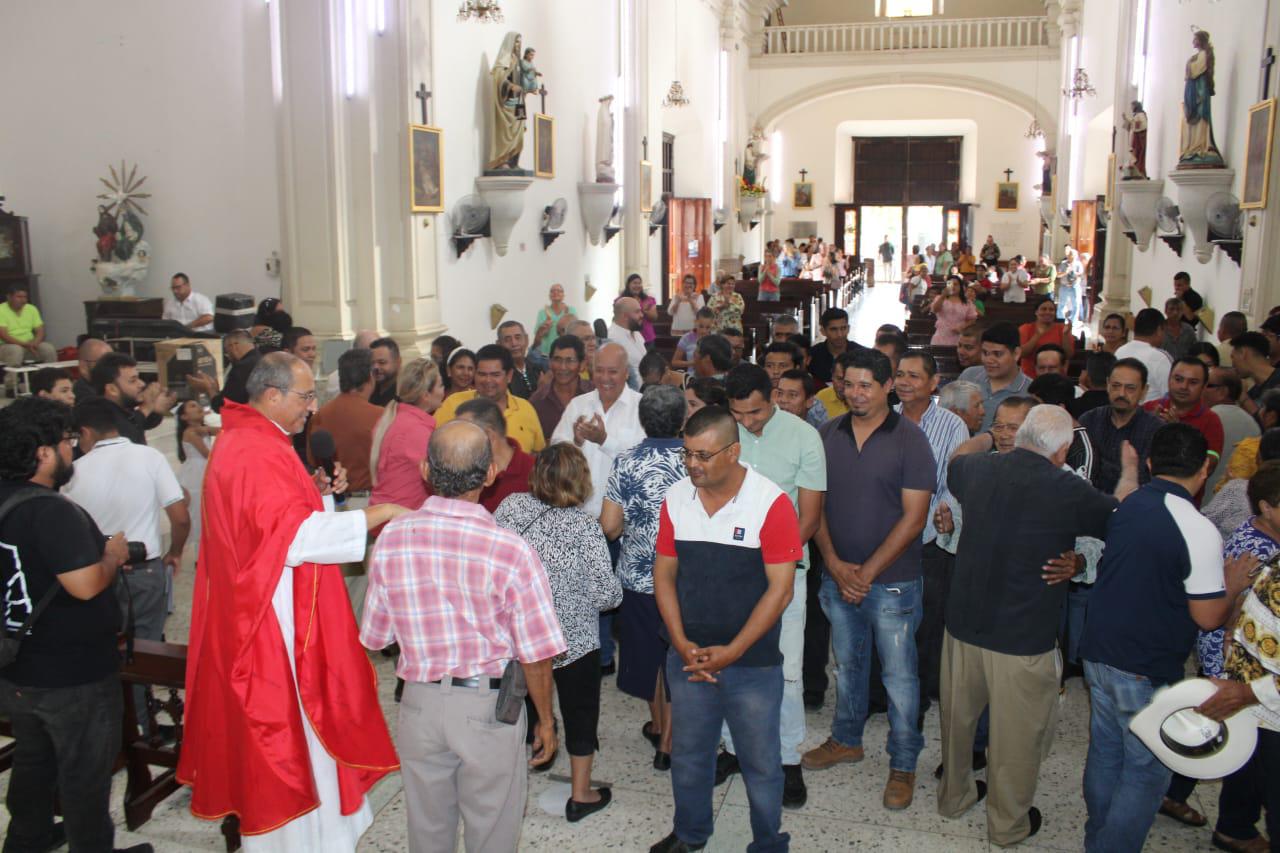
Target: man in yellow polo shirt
832,397
493,374
22,332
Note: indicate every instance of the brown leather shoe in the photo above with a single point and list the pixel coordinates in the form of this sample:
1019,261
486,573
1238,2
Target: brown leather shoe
831,753
1257,844
1182,813
899,791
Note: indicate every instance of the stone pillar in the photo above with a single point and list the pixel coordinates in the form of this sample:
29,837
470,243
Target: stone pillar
635,128
1116,284
353,256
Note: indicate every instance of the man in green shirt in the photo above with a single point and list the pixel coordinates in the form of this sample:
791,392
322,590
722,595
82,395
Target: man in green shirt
22,333
788,451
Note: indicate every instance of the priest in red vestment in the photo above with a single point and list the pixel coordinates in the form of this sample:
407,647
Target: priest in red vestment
283,725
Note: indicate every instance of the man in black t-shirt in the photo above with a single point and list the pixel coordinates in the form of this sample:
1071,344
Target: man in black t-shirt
62,694
1192,302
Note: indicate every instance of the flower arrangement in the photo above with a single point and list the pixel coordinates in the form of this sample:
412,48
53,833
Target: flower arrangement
747,190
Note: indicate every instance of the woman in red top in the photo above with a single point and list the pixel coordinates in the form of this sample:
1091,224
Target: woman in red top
1045,330
401,436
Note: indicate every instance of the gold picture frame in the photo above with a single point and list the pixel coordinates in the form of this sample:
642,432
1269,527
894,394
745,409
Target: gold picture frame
1257,159
544,146
646,186
426,164
802,195
1111,183
1006,196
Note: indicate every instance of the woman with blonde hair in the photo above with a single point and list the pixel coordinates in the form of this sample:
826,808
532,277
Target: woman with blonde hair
401,436
569,542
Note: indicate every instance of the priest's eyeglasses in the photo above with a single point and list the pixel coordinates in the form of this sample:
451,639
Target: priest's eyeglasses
702,455
309,397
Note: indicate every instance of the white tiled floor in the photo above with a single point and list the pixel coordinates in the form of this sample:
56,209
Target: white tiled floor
843,811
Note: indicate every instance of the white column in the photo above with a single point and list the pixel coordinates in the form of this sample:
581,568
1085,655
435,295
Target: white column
635,127
1116,285
1259,284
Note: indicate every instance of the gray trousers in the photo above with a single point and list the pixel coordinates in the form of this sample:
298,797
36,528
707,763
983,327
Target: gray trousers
457,760
148,585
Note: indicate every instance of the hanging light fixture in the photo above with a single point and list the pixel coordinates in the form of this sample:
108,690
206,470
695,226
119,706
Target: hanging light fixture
675,95
484,11
1080,86
1034,130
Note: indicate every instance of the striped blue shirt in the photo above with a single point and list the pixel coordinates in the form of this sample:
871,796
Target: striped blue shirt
945,431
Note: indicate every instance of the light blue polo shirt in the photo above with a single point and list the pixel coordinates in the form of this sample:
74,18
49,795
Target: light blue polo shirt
789,452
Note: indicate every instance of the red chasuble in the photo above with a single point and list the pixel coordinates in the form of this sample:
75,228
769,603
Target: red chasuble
244,750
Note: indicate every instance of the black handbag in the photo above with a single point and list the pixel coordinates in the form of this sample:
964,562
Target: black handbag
9,645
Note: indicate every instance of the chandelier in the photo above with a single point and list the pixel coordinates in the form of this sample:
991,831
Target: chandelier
675,96
1080,86
1034,130
484,11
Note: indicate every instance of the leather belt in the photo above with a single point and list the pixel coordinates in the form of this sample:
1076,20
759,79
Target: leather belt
475,681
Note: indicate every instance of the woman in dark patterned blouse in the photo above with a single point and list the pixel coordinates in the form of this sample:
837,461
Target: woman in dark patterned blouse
572,548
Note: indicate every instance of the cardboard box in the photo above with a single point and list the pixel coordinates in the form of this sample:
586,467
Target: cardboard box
179,357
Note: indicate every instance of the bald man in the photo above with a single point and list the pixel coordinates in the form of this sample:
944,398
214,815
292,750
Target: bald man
628,319
91,349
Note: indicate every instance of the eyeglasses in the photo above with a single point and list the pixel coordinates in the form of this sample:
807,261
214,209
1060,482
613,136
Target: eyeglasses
702,455
309,397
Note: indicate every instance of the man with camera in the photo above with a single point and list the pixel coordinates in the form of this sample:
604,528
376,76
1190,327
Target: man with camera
61,691
127,486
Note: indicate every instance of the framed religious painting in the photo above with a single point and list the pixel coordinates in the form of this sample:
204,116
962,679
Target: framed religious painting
1007,195
802,194
544,146
1111,183
426,161
646,186
1257,154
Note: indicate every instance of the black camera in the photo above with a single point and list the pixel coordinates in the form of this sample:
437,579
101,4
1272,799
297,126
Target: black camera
137,551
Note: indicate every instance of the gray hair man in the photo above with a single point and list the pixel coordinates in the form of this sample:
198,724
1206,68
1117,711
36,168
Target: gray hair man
965,399
1000,650
457,757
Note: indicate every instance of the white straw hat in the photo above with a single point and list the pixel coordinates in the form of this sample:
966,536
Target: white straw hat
1191,743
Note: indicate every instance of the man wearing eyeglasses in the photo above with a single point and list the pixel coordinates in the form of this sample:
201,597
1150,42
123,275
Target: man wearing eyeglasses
727,546
279,689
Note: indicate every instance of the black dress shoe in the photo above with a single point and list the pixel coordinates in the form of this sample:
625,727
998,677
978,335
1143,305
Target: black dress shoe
661,760
575,811
979,762
794,792
1033,815
137,848
813,701
726,766
673,844
653,738
609,669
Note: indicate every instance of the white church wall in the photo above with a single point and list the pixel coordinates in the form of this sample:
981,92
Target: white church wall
577,72
1238,46
817,136
182,89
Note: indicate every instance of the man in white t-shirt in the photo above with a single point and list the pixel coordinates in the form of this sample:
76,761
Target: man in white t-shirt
127,486
191,309
1145,347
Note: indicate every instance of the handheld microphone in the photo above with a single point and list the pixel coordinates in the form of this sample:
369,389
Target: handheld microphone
323,449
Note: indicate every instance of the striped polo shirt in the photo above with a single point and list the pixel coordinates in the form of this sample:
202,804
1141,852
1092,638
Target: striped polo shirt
721,559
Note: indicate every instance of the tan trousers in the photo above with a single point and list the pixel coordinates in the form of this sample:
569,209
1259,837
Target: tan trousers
355,575
1022,693
12,355
457,760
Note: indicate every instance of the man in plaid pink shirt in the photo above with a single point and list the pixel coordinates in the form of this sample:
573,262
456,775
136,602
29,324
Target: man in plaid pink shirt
462,597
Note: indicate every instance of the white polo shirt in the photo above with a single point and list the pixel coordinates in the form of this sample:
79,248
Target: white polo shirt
622,432
186,311
125,486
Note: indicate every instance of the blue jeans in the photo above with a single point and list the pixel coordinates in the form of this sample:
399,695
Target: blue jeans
1123,781
890,614
1066,302
607,645
749,699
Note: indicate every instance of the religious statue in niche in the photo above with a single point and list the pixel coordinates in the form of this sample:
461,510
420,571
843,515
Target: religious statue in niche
123,257
752,157
509,113
1197,148
604,141
1135,122
1048,165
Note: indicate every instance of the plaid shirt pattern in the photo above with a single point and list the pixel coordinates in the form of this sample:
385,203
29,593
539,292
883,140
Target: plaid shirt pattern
459,594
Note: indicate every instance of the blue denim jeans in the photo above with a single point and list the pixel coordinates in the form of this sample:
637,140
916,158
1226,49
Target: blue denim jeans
1066,302
749,699
890,614
1123,781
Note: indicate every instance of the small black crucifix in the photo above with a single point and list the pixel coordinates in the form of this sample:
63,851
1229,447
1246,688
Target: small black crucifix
804,173
542,90
644,148
1008,175
423,95
1268,59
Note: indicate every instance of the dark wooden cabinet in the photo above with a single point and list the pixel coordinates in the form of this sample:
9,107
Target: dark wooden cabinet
15,256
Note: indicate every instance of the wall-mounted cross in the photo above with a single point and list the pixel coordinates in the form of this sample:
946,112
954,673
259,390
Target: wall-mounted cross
1268,59
423,95
1008,175
804,173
